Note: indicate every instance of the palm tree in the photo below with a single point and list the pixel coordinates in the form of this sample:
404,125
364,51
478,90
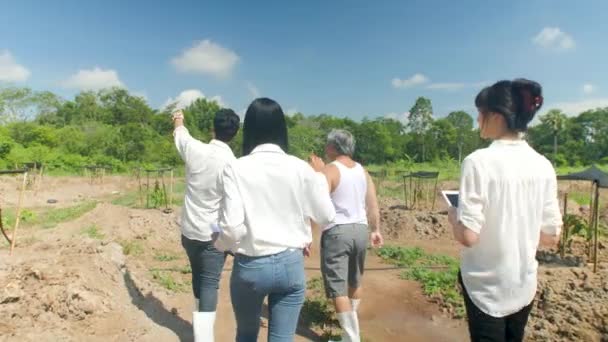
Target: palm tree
555,120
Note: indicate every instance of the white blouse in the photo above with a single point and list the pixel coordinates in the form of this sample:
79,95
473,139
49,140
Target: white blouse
204,164
269,198
508,195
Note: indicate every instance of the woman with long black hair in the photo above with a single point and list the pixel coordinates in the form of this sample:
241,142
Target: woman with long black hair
269,201
508,205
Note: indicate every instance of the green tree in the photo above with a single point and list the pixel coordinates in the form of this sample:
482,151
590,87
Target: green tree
463,123
419,122
555,121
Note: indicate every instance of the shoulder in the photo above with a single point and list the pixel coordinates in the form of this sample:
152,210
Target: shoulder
477,155
543,162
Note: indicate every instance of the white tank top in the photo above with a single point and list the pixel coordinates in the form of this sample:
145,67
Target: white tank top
349,196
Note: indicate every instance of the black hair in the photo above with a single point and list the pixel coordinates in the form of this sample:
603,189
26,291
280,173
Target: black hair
226,124
264,124
517,101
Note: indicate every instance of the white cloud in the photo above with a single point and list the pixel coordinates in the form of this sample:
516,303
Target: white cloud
573,108
292,111
420,79
186,97
481,84
588,88
10,70
208,58
416,79
140,93
93,79
554,38
446,86
399,117
254,92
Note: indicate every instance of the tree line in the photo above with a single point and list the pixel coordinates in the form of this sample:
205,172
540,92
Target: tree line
115,128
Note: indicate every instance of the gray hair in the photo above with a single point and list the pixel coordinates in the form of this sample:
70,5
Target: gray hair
343,141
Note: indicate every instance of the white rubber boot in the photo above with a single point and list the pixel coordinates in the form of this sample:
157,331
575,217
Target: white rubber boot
355,304
350,326
202,324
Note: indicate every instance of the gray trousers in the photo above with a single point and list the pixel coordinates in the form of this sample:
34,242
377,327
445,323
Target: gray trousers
343,251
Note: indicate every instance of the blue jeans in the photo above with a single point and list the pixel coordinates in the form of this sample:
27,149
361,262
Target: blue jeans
207,264
280,277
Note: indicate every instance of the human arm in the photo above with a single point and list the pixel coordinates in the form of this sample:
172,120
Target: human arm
468,219
231,222
373,212
181,136
461,233
317,202
551,218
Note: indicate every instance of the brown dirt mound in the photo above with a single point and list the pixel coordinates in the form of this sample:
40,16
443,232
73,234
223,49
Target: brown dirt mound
572,305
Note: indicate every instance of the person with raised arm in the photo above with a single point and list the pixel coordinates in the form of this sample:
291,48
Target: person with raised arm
204,163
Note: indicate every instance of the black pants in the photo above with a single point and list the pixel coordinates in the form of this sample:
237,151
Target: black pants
207,264
485,328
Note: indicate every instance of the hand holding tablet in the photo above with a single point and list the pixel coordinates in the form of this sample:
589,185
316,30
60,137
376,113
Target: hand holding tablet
451,197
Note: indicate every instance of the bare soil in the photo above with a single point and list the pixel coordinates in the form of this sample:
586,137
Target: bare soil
129,281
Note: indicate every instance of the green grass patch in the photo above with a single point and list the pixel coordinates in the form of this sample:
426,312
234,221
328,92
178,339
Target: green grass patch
47,218
53,217
166,280
93,232
9,216
181,269
581,198
132,248
438,274
130,199
448,169
134,199
165,257
318,312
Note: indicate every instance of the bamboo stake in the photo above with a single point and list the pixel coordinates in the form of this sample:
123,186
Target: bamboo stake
40,178
596,210
591,219
18,213
171,189
565,228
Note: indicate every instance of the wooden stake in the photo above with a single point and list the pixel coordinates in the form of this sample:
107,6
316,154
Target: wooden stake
565,228
18,213
171,189
596,210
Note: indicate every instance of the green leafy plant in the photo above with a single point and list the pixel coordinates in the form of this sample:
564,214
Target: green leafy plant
53,217
132,247
93,232
438,274
165,257
318,311
166,280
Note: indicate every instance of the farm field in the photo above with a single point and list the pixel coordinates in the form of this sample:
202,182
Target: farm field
97,266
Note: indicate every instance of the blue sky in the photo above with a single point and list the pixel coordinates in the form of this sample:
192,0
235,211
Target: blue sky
347,58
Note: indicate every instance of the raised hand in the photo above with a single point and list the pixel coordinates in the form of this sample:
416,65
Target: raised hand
316,163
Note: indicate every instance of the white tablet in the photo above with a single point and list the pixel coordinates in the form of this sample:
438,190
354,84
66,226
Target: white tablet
451,197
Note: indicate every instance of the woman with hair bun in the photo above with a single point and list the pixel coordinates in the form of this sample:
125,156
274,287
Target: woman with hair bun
508,206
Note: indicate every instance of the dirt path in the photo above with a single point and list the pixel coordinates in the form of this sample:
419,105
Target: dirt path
120,274
66,286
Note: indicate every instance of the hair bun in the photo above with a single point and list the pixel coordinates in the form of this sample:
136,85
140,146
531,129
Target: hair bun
528,99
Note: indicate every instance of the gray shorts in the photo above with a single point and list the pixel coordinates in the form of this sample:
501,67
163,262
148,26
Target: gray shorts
343,249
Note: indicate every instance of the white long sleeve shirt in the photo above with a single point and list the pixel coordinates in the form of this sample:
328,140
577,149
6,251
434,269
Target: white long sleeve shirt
269,198
508,195
204,164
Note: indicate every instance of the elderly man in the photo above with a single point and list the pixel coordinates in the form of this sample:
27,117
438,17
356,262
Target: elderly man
344,241
204,163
